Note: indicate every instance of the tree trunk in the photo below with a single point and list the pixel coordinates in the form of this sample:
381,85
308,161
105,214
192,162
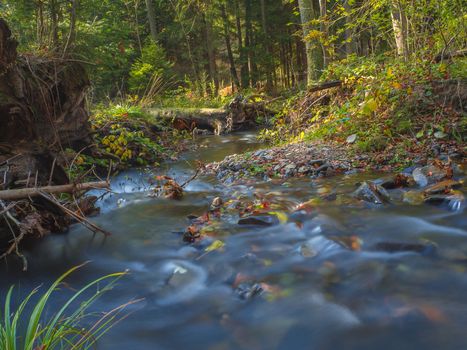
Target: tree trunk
244,72
151,12
54,19
40,23
400,28
249,43
72,32
211,54
349,46
306,15
233,69
267,44
325,30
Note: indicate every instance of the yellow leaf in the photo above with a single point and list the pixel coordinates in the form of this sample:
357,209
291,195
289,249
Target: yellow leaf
283,218
370,106
396,85
215,246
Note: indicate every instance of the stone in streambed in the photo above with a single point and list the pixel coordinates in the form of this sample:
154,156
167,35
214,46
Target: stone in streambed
399,180
414,197
443,187
259,220
455,200
399,247
372,193
427,175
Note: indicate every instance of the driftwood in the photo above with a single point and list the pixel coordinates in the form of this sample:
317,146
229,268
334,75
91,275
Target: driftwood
324,86
23,193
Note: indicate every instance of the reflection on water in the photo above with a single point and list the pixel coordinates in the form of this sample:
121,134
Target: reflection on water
289,286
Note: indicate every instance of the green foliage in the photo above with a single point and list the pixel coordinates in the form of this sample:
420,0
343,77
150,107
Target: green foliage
384,101
153,62
122,131
29,330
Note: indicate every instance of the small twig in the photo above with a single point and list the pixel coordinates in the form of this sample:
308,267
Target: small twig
82,220
195,175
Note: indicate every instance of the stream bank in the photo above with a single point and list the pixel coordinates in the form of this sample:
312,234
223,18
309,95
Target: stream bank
336,273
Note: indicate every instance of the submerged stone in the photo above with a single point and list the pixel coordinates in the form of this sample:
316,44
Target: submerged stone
372,193
427,175
259,220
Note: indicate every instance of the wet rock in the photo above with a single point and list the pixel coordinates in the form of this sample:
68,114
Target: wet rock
304,170
454,200
427,175
443,187
323,168
414,197
247,291
318,245
440,135
259,220
290,169
399,247
397,181
216,203
372,193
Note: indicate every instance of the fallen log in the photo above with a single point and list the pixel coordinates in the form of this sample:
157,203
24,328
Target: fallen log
450,55
22,193
324,86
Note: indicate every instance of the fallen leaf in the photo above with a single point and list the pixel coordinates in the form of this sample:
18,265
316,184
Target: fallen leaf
216,245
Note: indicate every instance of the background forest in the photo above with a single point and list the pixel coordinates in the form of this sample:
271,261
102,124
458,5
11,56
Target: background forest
207,47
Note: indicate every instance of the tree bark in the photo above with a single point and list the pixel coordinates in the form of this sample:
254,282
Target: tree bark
325,31
244,72
22,193
228,44
306,15
249,43
267,44
400,28
151,13
72,31
53,6
211,53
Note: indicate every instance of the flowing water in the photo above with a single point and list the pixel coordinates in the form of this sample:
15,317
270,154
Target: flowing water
289,286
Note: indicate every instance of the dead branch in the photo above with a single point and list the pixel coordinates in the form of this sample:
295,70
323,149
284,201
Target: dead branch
22,193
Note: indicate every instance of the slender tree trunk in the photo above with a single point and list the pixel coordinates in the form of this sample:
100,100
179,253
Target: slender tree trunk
267,45
306,15
233,69
54,19
151,12
400,28
138,35
249,44
72,32
349,46
211,54
244,72
325,30
40,23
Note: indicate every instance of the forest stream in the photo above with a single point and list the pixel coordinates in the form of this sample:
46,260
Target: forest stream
285,286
